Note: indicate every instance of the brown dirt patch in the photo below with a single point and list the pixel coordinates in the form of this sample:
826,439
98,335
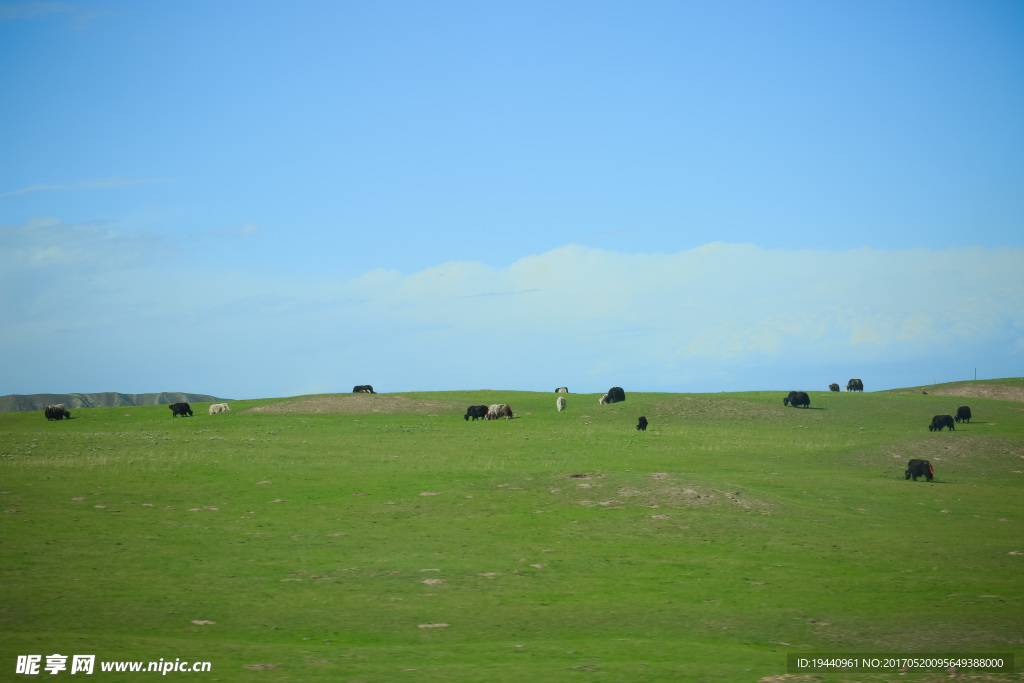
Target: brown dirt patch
661,493
947,450
359,404
1000,392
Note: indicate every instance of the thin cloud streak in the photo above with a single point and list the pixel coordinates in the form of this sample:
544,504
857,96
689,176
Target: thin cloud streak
485,294
240,232
33,10
114,182
79,17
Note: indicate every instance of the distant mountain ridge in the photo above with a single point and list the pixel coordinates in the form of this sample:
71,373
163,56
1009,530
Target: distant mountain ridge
106,399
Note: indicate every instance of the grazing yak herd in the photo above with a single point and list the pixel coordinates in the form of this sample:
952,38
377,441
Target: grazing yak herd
59,411
915,468
798,399
963,414
182,409
185,410
492,412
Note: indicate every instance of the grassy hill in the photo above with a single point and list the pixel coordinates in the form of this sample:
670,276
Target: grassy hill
382,537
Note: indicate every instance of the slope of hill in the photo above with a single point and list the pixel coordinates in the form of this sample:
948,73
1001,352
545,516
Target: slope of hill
107,399
1005,389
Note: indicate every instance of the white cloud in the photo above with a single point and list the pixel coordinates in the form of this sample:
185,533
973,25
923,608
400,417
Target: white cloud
718,305
728,314
96,247
750,297
50,256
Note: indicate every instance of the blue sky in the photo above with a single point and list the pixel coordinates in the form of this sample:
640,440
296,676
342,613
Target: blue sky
255,199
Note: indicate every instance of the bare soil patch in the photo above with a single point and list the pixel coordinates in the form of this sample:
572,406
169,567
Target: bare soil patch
663,493
359,404
942,450
1000,392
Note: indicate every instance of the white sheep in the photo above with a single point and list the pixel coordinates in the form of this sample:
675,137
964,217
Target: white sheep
560,403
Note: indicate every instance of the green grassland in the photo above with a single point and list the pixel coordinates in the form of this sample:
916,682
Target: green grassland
384,538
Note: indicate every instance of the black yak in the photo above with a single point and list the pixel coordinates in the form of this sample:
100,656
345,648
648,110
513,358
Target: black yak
363,389
919,468
940,421
833,387
614,395
180,409
56,412
476,412
797,398
641,425
855,385
562,390
963,414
